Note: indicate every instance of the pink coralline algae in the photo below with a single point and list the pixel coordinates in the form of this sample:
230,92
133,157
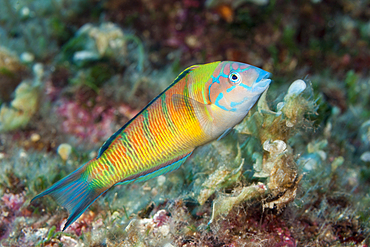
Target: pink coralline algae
13,201
51,91
276,229
161,218
9,206
179,37
272,230
81,225
94,124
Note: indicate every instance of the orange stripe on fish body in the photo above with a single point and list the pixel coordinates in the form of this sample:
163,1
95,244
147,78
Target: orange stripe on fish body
201,104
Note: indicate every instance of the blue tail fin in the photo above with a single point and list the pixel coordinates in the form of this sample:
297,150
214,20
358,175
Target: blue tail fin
74,193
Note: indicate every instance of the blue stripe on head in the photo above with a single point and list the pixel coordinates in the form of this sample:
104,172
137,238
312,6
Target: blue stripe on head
230,89
219,97
232,104
245,86
214,80
242,70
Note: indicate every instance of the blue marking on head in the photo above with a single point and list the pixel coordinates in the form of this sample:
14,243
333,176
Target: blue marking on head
219,97
214,80
232,104
222,74
245,86
242,70
230,89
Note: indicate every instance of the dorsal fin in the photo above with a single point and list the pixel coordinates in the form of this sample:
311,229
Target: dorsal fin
108,142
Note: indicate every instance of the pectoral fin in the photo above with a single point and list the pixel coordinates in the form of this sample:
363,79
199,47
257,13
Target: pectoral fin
224,134
202,111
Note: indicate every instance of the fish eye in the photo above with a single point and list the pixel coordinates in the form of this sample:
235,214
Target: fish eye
234,78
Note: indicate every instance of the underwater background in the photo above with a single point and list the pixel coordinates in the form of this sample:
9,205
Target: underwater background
295,172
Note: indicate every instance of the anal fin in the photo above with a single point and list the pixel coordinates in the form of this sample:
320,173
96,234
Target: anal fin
158,170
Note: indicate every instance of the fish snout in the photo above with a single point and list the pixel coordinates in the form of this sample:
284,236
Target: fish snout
263,81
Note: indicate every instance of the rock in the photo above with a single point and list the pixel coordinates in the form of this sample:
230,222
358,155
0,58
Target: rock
64,150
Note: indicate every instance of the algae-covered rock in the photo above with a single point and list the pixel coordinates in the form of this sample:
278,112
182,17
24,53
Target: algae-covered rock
38,27
11,73
221,178
223,204
365,133
64,150
161,229
276,165
25,103
100,41
93,43
10,61
21,109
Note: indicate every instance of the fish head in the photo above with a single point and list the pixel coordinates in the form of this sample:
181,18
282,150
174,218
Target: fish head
235,87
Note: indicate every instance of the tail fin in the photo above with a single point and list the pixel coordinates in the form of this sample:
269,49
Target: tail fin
74,193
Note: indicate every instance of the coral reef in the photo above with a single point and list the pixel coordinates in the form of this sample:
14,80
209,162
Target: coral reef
295,172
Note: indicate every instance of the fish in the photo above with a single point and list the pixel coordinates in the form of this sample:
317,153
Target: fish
202,104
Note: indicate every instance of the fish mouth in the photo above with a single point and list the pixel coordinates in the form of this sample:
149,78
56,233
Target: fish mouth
263,81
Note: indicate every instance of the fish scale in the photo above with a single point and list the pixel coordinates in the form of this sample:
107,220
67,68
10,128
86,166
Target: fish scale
202,104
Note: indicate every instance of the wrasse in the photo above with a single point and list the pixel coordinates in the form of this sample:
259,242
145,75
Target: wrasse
203,103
